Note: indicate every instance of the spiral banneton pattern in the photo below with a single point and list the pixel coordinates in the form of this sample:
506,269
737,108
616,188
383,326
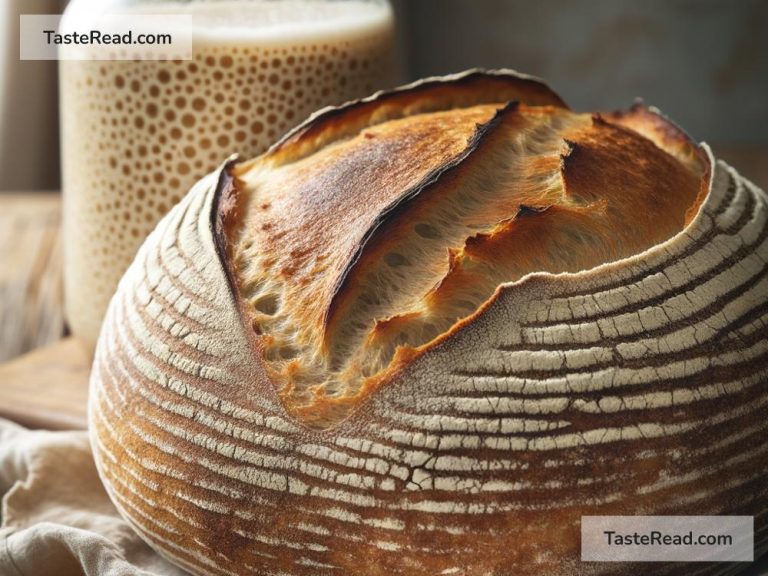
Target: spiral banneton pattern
636,387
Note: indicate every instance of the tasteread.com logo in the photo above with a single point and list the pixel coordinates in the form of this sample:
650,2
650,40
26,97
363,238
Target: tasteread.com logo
657,538
667,538
105,37
101,38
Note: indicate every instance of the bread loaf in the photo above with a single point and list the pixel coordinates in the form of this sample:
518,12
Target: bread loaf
428,331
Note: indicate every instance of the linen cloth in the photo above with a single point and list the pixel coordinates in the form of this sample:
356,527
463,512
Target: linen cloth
57,519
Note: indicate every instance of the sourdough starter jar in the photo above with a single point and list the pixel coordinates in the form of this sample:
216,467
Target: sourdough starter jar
137,134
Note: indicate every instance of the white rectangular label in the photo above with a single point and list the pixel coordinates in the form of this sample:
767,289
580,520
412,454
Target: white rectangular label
667,538
105,37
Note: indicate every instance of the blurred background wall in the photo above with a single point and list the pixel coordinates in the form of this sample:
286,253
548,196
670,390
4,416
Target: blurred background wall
703,62
29,134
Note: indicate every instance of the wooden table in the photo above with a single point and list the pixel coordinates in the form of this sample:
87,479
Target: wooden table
47,388
31,305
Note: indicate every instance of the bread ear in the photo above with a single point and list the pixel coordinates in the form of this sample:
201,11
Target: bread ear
465,89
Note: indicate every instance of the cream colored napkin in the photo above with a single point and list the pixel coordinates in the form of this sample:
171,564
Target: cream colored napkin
57,520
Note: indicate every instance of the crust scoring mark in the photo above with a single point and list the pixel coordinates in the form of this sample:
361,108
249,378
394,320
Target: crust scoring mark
400,205
535,188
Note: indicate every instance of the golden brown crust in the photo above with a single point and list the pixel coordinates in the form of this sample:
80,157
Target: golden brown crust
462,90
320,209
664,133
379,225
668,136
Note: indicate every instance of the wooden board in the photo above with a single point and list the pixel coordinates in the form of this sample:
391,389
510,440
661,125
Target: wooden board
47,388
31,293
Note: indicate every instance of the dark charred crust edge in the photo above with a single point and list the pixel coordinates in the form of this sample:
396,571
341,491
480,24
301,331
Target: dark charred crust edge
476,243
570,148
640,106
223,215
526,211
400,205
574,152
316,122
